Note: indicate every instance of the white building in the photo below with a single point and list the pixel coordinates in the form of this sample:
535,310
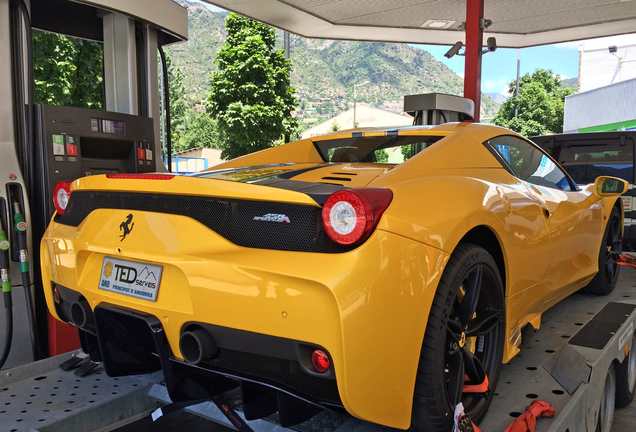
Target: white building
606,61
195,160
608,108
607,86
365,117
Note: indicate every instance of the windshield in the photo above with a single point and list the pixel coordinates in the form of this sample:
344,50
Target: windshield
376,149
586,162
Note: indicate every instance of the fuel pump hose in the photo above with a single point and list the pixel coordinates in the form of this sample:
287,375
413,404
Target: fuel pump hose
21,227
6,290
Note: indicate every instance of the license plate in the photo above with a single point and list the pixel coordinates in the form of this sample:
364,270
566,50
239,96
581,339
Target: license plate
134,279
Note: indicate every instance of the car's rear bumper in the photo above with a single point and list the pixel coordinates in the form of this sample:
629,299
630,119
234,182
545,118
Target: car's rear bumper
367,307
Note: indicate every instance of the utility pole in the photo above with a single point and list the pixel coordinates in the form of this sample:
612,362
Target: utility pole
517,90
287,55
355,94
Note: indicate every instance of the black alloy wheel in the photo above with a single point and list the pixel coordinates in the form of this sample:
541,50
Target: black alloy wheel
611,247
463,345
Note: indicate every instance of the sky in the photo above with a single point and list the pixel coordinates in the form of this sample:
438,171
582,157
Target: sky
500,67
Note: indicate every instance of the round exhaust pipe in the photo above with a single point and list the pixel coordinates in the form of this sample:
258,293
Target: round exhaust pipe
197,345
81,313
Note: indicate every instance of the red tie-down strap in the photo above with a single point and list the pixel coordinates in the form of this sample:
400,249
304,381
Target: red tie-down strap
465,424
526,422
478,388
626,260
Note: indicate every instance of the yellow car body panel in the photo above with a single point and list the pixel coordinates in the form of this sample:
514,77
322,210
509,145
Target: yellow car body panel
265,294
194,187
368,306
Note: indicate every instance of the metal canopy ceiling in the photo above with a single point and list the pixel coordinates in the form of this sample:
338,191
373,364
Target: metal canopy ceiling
515,23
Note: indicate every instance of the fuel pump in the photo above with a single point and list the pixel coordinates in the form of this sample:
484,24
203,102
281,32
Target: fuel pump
6,285
20,227
43,144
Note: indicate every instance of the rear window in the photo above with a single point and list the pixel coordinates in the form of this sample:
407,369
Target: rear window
585,162
382,149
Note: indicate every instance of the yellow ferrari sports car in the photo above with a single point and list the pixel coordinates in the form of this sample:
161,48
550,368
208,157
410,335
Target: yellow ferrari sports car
384,272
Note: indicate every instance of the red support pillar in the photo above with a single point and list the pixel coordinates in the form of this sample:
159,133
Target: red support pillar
472,65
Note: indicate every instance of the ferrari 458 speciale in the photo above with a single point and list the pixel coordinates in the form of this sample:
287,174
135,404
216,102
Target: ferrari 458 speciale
385,272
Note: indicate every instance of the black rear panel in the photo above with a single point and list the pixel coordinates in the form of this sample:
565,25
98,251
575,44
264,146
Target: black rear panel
299,229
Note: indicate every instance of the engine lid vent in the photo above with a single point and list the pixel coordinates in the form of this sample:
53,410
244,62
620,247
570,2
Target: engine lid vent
340,177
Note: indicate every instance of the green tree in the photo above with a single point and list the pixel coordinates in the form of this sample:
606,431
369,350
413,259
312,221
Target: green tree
381,155
179,112
67,71
407,151
251,96
325,107
540,104
200,131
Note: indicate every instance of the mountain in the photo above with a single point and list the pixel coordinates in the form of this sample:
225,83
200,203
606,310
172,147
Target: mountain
497,97
195,58
324,71
571,82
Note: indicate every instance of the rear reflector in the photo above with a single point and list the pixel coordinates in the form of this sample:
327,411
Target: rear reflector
320,360
141,176
56,294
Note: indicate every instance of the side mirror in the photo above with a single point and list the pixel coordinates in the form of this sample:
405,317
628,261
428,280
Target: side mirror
606,186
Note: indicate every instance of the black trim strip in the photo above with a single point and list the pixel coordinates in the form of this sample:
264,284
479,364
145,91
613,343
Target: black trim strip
253,224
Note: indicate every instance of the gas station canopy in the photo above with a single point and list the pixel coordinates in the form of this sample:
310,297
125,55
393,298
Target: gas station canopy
514,23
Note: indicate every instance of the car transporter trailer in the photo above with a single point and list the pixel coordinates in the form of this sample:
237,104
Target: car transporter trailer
579,358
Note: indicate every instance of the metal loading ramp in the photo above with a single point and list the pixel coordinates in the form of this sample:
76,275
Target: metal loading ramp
42,397
564,364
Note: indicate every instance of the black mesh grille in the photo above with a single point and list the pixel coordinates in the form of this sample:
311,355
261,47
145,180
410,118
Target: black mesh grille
233,219
281,373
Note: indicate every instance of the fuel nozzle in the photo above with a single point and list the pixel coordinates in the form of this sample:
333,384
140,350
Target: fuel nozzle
4,261
4,243
21,235
6,290
20,227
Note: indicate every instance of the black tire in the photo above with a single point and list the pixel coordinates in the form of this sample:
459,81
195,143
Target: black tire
611,246
464,337
626,378
607,405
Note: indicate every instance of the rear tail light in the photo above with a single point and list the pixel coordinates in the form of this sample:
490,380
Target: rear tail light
320,361
350,216
61,195
141,176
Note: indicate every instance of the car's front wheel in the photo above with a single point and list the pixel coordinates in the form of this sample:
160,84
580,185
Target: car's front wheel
611,246
463,344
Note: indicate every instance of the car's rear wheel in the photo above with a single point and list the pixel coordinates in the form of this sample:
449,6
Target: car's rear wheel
626,377
611,246
607,405
463,345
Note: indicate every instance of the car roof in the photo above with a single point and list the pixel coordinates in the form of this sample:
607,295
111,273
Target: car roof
478,130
